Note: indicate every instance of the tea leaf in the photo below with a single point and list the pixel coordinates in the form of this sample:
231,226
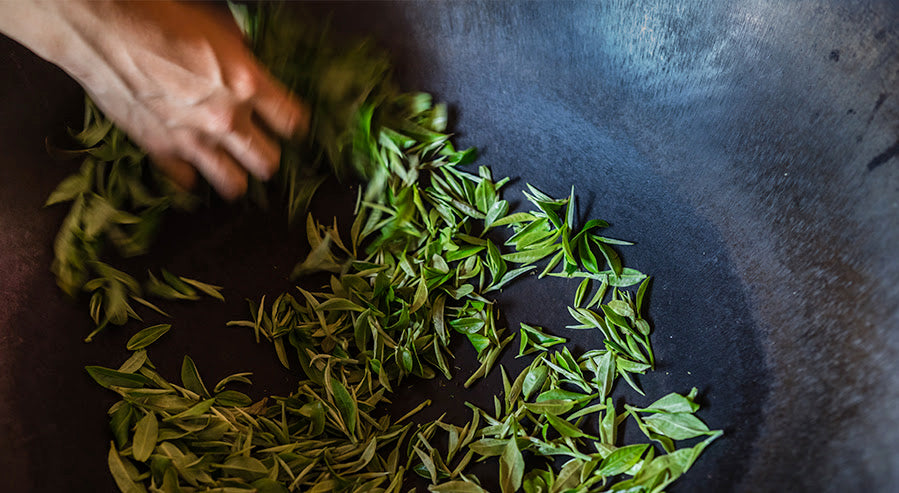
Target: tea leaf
339,304
123,472
111,378
677,426
456,487
232,398
247,468
346,404
511,467
209,289
145,437
120,423
531,256
515,218
135,362
147,336
467,325
534,380
581,292
190,378
197,409
622,459
237,377
674,403
565,428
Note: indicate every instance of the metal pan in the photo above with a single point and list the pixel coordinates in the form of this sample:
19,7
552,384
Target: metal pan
749,148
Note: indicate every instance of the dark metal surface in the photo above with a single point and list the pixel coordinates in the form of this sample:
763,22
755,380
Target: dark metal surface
750,148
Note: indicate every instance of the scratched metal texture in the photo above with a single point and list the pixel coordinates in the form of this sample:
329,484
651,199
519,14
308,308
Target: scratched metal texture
749,148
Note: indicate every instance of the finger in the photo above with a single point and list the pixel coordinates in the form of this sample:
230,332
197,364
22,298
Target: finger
221,171
255,150
178,170
279,109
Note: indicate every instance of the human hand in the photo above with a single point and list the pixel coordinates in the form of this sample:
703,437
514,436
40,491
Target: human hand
176,77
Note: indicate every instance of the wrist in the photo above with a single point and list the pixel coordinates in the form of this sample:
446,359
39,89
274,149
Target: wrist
66,33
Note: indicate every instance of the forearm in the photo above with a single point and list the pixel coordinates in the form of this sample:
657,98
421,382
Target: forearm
36,24
63,32
43,26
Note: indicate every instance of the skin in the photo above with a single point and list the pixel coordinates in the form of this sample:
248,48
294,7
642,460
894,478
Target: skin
176,76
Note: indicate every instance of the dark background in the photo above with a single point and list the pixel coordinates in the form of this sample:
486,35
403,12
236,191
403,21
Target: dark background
749,148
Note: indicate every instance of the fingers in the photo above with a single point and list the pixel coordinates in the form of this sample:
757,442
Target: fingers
178,170
222,158
254,149
225,124
249,146
279,110
217,166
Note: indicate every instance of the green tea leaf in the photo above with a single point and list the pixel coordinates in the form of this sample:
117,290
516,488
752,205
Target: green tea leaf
537,231
237,377
641,293
232,398
508,277
197,409
612,241
674,403
247,468
421,296
467,325
496,211
677,426
70,188
564,395
612,258
339,304
511,467
550,407
147,336
531,256
135,362
112,378
581,292
120,423
518,217
534,380
190,378
565,428
123,472
209,289
346,404
145,434
456,487
489,447
622,459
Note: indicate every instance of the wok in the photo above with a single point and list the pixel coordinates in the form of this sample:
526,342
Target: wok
748,148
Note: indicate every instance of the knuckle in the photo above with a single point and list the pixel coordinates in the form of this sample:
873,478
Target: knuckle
223,120
185,143
245,83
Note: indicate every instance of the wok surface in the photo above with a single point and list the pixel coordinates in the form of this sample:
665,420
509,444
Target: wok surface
750,149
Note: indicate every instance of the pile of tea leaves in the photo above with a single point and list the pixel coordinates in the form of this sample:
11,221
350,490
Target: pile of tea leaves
431,241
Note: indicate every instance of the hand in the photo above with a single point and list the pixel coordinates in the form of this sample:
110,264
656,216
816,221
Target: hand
176,76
